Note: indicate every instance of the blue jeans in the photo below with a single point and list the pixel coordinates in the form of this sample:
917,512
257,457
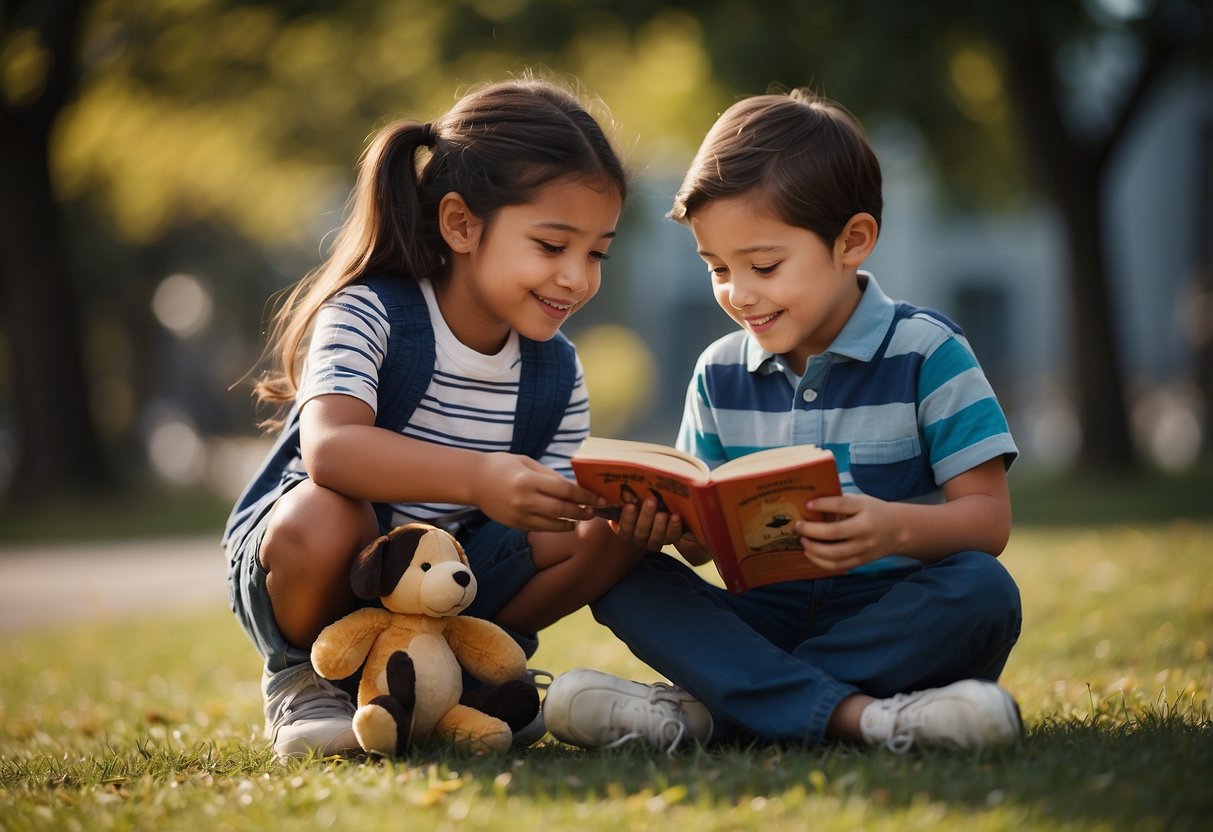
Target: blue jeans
773,663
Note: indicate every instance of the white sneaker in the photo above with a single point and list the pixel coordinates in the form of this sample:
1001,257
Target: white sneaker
968,715
596,710
305,712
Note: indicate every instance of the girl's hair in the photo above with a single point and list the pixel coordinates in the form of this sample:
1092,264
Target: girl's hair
804,156
498,146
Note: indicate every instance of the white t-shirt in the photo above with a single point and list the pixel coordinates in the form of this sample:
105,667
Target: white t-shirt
471,398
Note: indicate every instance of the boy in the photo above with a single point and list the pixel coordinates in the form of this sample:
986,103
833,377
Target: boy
903,649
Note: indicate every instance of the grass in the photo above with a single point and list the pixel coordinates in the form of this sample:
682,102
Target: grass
153,722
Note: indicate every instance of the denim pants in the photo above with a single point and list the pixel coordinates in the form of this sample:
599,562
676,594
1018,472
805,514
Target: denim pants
773,663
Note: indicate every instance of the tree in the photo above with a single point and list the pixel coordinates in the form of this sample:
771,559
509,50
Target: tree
59,449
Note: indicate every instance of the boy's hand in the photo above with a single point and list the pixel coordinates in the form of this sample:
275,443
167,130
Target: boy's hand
517,491
647,527
866,530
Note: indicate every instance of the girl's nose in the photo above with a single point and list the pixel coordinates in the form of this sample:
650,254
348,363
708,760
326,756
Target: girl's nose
574,278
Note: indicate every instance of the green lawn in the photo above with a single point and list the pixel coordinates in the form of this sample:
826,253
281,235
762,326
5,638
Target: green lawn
153,723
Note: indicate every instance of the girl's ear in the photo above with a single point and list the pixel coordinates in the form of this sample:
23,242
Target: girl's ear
458,225
858,238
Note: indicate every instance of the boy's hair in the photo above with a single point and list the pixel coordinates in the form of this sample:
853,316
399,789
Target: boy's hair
498,146
804,156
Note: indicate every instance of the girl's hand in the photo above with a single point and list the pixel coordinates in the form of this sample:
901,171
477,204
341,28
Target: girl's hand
647,527
517,491
866,530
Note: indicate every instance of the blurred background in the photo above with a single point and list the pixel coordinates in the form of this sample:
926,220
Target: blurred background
166,166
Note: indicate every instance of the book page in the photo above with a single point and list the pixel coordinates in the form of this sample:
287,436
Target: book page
772,459
651,455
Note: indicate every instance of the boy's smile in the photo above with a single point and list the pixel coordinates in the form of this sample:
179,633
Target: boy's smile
781,283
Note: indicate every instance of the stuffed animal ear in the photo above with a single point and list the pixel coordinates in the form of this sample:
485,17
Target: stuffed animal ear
367,569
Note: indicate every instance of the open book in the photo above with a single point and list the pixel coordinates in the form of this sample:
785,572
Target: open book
744,511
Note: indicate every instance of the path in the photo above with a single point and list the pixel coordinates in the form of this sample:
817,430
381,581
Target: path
44,583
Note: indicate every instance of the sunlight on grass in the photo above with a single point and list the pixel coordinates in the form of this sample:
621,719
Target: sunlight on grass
154,722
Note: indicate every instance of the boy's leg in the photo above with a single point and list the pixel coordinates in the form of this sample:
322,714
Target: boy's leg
866,639
954,619
689,630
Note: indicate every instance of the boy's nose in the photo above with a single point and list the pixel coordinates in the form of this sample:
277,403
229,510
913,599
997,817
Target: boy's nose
740,296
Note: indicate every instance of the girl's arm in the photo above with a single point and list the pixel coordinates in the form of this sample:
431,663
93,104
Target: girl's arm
976,516
344,451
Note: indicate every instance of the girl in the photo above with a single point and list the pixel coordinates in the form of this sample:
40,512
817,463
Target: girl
436,387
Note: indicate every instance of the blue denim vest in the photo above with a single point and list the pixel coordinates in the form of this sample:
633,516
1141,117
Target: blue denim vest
549,371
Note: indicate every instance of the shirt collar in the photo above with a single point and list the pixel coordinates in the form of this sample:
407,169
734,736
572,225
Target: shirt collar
860,338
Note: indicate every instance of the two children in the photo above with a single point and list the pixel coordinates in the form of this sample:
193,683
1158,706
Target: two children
784,201
436,387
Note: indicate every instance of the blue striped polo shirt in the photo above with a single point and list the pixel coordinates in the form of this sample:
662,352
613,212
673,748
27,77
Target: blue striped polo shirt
898,397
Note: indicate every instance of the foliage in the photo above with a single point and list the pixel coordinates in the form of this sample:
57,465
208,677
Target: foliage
154,723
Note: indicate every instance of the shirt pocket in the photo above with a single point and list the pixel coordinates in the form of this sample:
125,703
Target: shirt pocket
894,469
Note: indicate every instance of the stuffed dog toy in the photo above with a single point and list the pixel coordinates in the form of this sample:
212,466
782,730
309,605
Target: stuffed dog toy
416,647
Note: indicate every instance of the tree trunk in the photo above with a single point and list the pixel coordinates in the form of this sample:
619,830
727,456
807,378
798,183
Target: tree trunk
59,448
1070,171
1096,368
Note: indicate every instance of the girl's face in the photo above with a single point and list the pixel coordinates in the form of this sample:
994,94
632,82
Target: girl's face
781,283
532,267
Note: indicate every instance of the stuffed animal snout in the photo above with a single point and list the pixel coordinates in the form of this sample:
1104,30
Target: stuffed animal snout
416,568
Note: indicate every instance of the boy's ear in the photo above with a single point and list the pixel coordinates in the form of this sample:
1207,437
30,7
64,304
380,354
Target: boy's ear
458,225
857,239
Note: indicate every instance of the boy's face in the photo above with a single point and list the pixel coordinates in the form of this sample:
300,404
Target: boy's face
781,283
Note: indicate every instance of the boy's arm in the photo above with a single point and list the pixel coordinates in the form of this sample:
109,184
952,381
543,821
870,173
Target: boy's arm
976,516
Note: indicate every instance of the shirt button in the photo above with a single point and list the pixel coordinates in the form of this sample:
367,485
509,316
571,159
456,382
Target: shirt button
809,394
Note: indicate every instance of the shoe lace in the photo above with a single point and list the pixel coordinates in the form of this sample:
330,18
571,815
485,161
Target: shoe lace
534,677
637,714
906,724
320,699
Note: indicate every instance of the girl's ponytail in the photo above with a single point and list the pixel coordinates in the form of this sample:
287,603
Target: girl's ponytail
498,146
394,214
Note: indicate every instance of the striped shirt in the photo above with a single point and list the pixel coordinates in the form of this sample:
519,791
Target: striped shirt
899,398
471,400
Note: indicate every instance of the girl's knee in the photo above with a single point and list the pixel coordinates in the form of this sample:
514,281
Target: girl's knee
316,528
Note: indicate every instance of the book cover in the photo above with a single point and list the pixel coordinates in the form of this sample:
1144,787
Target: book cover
744,511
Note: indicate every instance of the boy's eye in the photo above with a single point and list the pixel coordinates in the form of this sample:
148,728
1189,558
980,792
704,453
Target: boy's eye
599,256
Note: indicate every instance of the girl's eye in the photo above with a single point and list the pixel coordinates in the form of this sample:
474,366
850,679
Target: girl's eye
718,271
551,248
765,270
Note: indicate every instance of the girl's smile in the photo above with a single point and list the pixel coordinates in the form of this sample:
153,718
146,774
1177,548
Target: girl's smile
557,310
531,266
